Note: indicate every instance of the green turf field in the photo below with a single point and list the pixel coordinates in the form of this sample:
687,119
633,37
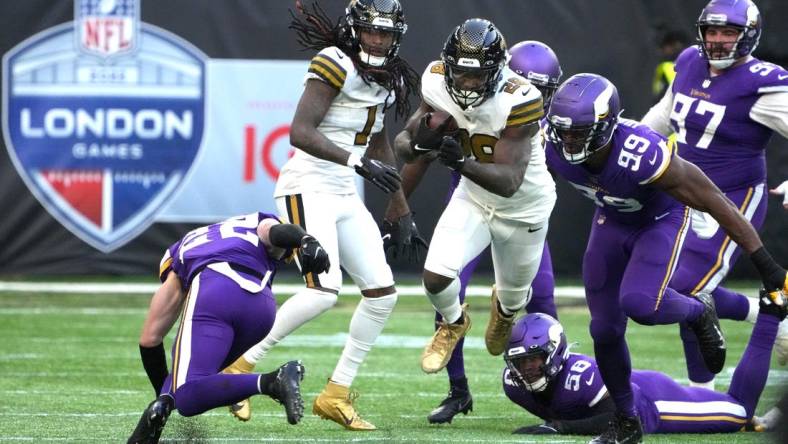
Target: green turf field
71,373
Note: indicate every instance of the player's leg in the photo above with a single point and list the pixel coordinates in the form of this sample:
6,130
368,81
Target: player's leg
461,234
361,255
516,253
459,399
706,257
543,287
316,213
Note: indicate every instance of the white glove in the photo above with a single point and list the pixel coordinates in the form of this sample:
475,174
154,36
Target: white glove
781,190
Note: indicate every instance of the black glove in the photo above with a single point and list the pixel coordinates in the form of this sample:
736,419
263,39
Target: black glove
402,238
427,139
450,153
382,175
539,429
774,277
312,256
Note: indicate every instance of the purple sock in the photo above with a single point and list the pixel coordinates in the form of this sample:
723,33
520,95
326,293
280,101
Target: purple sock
200,395
696,366
616,369
543,296
456,366
730,305
750,375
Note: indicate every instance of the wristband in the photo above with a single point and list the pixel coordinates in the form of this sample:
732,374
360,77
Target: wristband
353,160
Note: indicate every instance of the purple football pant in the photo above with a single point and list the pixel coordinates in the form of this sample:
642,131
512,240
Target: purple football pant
626,269
704,264
671,408
220,321
542,301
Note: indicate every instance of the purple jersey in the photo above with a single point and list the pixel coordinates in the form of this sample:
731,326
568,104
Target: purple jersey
711,117
638,156
573,393
233,242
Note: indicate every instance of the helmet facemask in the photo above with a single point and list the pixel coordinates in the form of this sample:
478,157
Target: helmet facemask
576,143
364,16
483,83
743,17
528,370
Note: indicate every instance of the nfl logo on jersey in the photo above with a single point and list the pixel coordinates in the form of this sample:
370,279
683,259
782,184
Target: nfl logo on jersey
103,119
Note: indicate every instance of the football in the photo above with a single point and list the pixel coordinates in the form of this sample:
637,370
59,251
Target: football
437,118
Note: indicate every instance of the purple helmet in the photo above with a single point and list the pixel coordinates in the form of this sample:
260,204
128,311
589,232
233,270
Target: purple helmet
582,116
740,14
536,334
538,63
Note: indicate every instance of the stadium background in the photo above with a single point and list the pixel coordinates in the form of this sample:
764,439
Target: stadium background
616,38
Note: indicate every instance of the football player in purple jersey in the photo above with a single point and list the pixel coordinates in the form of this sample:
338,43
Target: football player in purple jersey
538,63
724,105
566,389
641,188
219,278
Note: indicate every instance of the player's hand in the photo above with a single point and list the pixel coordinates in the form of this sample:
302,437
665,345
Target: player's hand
312,256
450,153
381,175
781,190
539,429
427,139
402,238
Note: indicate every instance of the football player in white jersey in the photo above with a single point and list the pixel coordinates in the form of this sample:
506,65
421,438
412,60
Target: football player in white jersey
339,131
505,195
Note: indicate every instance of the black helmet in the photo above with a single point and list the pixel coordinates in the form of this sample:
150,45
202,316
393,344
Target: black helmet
381,15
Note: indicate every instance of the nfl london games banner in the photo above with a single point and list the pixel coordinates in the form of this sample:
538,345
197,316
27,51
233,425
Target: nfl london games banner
103,119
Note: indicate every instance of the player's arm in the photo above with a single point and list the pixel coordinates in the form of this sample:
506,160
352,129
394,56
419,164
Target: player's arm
311,109
687,183
596,422
658,117
280,238
510,159
165,307
417,139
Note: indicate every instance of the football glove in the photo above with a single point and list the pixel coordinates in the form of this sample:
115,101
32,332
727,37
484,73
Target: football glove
380,174
427,139
312,256
450,153
402,239
539,429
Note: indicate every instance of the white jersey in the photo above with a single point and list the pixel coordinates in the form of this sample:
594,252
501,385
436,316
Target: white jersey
355,113
516,103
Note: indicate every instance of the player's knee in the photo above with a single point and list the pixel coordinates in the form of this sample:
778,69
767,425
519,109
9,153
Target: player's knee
380,307
639,307
513,300
603,332
435,283
322,299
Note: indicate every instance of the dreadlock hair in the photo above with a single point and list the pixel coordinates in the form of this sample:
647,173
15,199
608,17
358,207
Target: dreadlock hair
316,31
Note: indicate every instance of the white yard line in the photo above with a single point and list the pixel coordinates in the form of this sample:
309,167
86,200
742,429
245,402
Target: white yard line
576,292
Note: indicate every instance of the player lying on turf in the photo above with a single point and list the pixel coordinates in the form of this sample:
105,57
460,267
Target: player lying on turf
225,271
566,389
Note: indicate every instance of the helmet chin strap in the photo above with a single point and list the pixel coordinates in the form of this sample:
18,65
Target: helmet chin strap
721,63
538,386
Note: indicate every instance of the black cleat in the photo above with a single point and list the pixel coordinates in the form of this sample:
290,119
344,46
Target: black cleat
710,339
458,401
621,429
287,391
151,424
773,303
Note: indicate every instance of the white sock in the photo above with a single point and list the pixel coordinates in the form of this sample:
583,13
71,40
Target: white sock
513,300
707,385
447,302
295,312
752,315
365,327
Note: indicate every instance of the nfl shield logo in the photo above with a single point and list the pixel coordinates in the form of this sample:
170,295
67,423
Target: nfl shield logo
104,142
107,27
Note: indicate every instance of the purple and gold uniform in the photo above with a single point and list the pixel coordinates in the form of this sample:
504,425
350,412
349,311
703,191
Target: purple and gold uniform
229,307
664,406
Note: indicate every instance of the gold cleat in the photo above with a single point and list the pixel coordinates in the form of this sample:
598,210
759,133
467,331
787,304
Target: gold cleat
499,328
438,351
242,409
335,403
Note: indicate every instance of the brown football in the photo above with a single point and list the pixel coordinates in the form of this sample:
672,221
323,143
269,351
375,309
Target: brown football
437,118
